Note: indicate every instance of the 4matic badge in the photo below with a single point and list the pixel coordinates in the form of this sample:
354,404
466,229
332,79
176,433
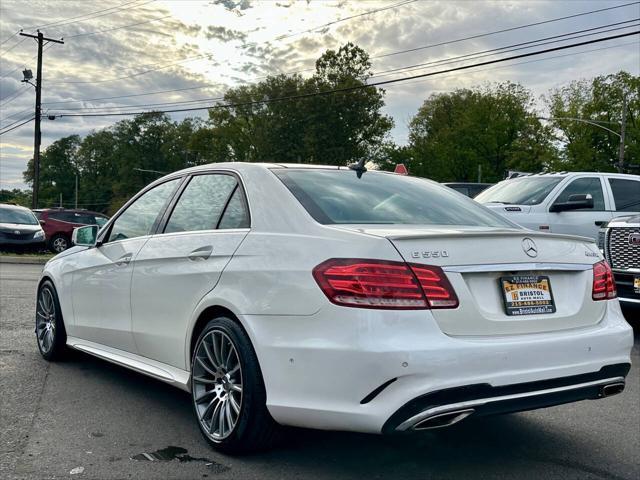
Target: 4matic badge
430,254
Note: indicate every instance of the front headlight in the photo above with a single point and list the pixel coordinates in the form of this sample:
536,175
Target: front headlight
39,234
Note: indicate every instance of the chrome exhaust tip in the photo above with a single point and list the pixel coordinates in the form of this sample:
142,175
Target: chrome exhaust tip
612,389
443,419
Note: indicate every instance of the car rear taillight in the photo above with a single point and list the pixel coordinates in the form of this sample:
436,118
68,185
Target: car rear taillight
384,284
604,287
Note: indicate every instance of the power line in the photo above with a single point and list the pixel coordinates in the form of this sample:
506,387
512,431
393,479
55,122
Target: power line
14,96
17,126
32,58
9,38
118,28
510,48
19,42
351,17
373,57
504,30
90,16
23,117
445,61
363,86
137,74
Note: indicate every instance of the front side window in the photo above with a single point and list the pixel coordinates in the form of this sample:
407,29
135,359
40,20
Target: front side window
138,219
340,197
582,186
519,191
626,194
202,203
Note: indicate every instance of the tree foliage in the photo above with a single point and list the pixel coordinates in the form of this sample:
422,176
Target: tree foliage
493,128
588,147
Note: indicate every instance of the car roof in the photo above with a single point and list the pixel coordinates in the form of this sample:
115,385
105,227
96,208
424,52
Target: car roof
71,210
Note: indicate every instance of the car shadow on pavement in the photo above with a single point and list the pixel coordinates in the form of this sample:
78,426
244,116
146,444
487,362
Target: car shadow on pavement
527,444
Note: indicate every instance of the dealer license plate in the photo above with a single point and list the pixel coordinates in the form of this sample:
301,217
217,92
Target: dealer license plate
527,295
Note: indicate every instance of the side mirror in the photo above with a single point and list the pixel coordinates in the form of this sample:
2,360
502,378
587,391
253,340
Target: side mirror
575,202
85,236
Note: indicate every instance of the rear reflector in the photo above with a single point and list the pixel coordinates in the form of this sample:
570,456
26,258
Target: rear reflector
604,287
384,284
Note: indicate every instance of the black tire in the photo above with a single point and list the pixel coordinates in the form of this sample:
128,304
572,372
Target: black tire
54,346
254,429
59,243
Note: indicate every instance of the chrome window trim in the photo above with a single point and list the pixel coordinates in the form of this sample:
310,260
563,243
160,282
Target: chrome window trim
511,267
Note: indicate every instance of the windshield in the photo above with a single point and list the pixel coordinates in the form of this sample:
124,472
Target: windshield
340,197
19,216
519,191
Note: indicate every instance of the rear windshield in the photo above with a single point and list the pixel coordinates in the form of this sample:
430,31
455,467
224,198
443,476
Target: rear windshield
520,191
18,216
340,197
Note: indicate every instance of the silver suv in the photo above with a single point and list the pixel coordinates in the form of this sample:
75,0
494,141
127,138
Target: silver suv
619,242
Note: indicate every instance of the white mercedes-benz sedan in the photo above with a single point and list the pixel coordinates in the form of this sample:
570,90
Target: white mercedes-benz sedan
334,298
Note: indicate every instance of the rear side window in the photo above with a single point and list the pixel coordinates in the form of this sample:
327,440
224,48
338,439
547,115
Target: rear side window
236,215
584,185
340,197
626,194
202,203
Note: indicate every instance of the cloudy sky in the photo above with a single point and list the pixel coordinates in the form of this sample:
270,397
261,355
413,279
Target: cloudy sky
139,52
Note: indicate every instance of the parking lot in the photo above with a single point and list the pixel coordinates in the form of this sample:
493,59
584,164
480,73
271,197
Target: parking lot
97,420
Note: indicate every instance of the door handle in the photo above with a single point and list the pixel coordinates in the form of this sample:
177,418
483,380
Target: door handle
201,253
600,223
123,260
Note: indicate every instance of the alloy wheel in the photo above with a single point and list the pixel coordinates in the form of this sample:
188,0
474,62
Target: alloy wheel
45,320
60,244
217,384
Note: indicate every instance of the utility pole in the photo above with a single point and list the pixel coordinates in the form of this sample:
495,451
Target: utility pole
40,38
622,132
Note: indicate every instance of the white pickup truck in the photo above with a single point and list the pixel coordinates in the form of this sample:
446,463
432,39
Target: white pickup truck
578,203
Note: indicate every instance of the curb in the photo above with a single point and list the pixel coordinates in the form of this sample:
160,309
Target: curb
23,260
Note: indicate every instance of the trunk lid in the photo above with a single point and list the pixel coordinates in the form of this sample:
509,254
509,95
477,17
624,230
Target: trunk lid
475,259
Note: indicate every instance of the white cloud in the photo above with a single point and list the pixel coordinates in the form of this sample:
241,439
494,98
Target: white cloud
245,40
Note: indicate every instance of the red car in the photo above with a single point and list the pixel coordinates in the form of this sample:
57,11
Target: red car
58,224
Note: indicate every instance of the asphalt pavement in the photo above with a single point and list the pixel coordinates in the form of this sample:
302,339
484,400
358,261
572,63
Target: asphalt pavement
87,419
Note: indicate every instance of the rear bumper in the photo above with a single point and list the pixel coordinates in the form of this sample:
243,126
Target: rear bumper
446,407
354,369
39,242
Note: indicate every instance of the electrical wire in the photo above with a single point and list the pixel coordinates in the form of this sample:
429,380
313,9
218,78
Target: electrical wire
487,53
17,126
9,38
363,86
118,28
445,61
351,17
91,15
19,42
373,57
504,30
13,96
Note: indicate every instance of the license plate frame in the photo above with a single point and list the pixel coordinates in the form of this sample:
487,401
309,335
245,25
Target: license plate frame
529,295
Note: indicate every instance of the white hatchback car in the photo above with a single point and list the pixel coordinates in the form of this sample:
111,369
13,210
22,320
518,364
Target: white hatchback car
578,203
330,298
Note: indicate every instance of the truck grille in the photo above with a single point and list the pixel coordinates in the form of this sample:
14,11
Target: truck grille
619,253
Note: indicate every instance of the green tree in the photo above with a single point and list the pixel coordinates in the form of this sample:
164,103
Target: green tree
493,128
333,128
58,168
588,147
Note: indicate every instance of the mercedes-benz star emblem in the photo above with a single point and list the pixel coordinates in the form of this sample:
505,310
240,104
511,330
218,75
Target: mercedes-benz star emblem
529,247
16,232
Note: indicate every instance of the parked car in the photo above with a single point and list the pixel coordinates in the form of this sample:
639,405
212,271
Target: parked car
577,203
19,227
619,241
330,298
59,223
468,188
